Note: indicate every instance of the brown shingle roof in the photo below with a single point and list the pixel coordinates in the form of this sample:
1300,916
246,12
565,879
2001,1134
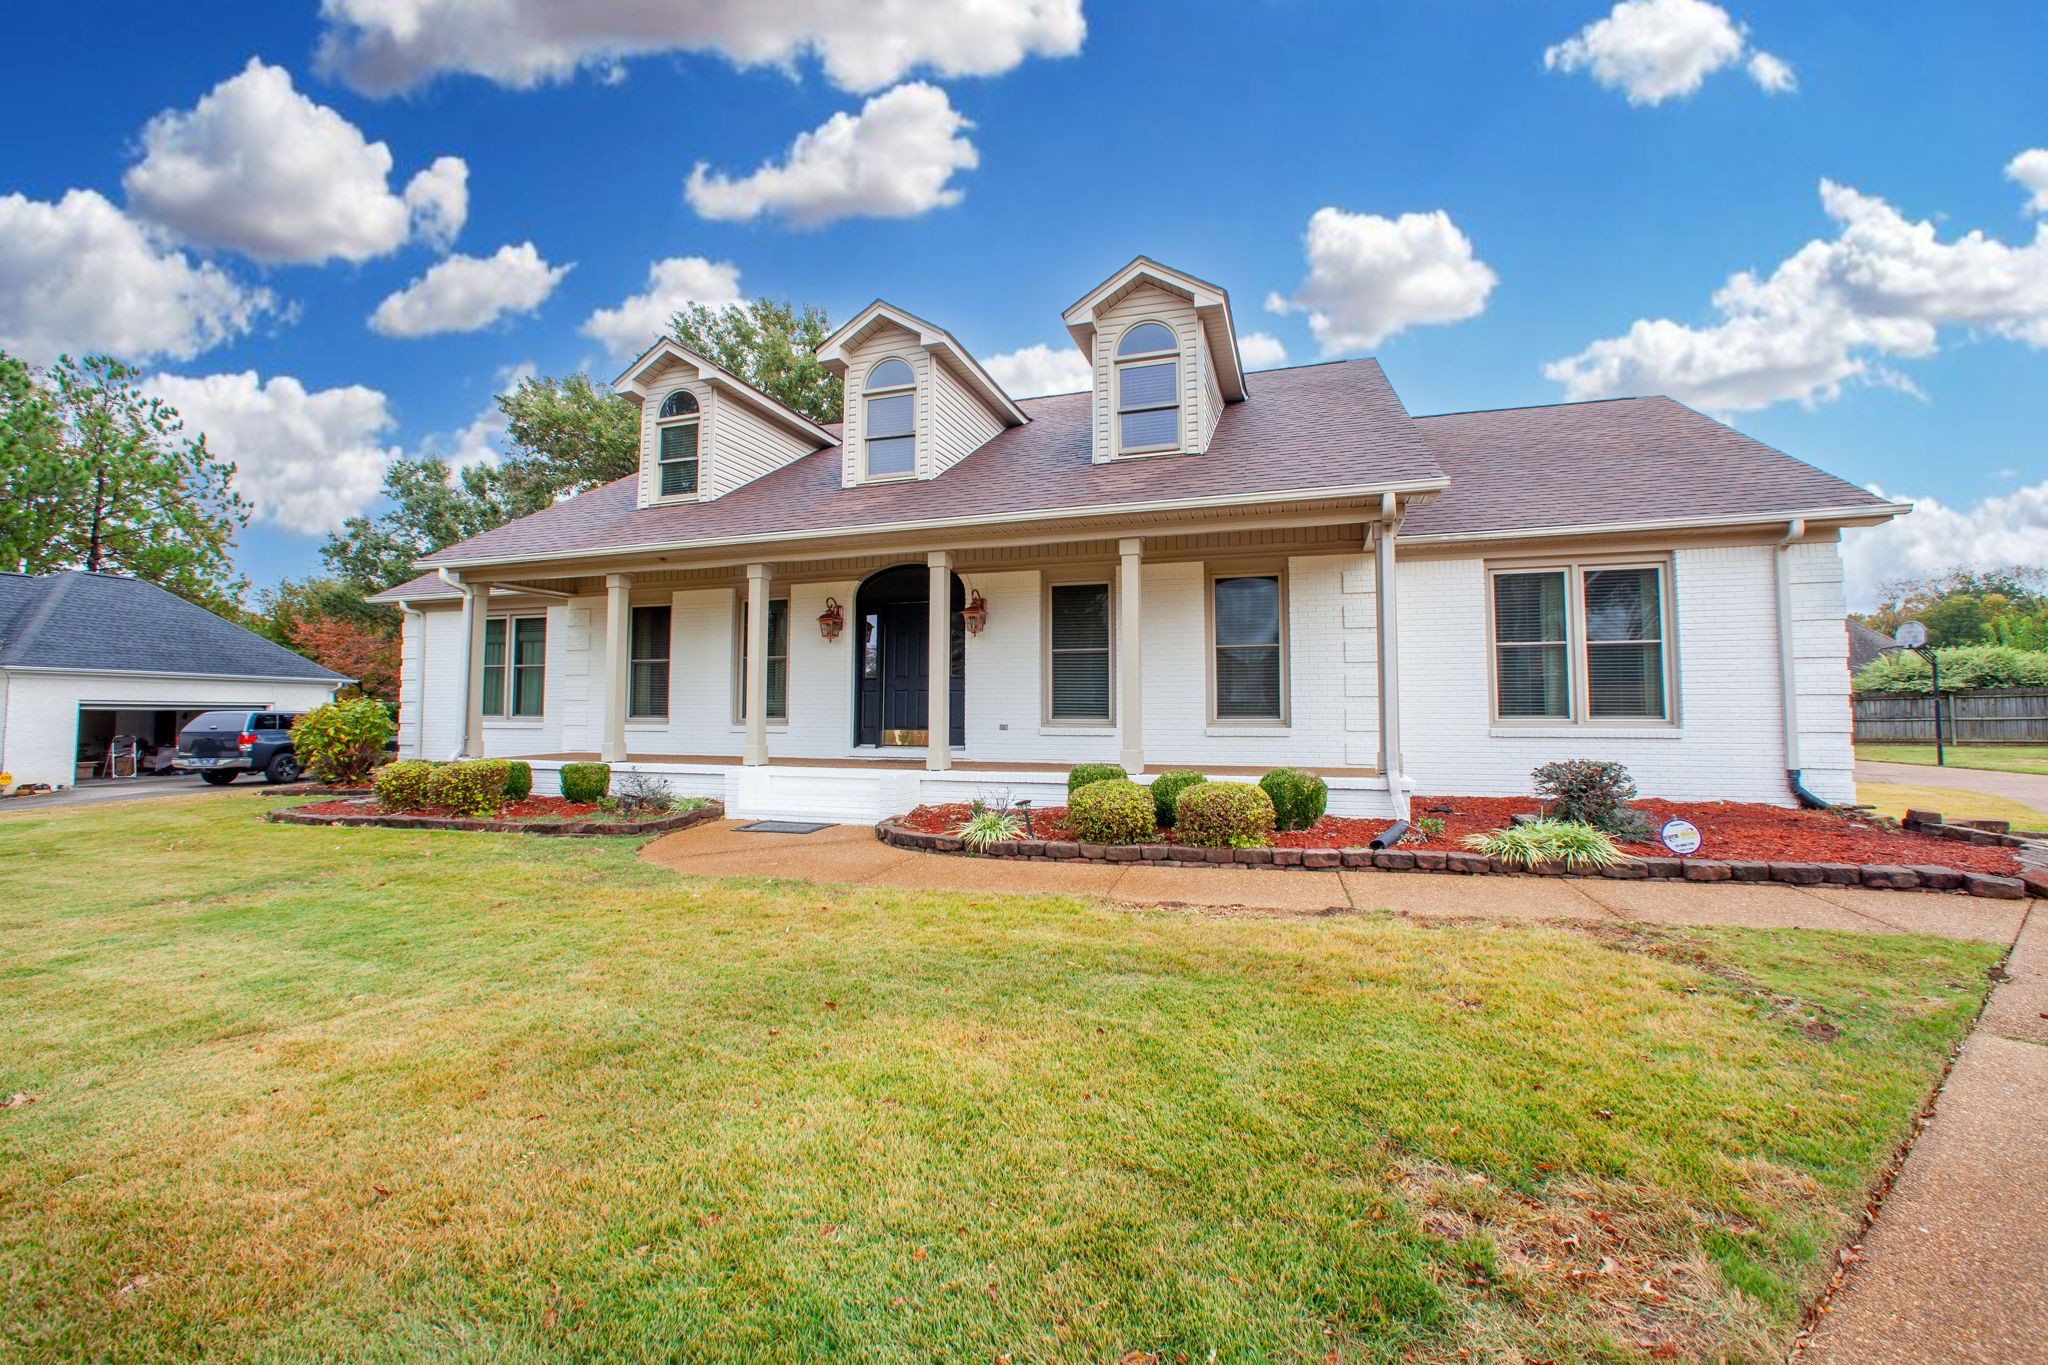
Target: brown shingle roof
1313,427
1620,461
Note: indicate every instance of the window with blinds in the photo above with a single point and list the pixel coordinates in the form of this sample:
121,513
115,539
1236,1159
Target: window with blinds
1148,389
1246,624
647,690
778,659
1581,643
515,677
1078,641
891,419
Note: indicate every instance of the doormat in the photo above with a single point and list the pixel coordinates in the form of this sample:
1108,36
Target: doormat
782,827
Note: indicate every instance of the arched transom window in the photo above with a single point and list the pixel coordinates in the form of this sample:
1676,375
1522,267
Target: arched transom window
890,421
677,423
1148,389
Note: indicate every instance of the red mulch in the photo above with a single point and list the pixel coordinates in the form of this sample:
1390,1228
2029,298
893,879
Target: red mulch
532,808
1729,830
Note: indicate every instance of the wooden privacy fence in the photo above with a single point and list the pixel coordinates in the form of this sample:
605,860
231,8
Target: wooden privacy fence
2005,715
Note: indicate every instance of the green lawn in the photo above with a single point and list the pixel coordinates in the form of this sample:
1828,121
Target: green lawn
2004,758
317,1094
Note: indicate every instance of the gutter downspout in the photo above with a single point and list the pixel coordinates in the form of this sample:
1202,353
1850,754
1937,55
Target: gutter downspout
1386,593
1788,663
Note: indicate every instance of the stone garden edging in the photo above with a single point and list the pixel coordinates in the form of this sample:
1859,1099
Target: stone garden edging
1875,876
668,824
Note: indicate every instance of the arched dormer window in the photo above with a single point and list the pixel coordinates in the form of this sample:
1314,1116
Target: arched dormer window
677,424
889,422
1147,389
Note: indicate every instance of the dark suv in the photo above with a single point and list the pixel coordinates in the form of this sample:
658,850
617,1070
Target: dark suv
222,745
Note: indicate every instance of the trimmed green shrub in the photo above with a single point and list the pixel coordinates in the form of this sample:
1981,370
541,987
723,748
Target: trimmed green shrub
472,788
402,786
1166,790
1591,792
1224,815
1964,668
1080,777
340,743
1299,798
1116,811
586,783
518,780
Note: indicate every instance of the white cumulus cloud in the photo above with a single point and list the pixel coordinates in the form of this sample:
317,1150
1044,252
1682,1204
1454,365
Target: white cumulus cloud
2010,528
1655,50
469,293
1040,369
259,168
1370,277
307,460
385,46
1836,310
672,285
894,159
1261,350
81,276
2030,169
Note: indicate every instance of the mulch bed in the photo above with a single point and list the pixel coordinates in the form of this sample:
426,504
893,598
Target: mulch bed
1729,830
533,815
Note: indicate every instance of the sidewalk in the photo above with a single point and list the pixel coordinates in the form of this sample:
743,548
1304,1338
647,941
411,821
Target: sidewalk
2029,789
851,854
1955,1270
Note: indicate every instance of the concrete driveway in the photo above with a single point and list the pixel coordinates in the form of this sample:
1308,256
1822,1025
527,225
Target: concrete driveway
2029,789
134,789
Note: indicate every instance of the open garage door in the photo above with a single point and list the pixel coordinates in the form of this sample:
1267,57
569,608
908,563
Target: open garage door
123,740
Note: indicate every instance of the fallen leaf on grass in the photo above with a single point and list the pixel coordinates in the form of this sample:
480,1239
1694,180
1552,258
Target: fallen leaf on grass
1137,1358
919,1254
1851,1255
18,1101
135,1285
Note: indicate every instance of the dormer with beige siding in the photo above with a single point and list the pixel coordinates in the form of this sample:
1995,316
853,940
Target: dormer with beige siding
705,432
1164,354
916,402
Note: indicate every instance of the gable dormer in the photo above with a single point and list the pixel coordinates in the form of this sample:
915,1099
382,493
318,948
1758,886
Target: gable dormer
1164,353
916,402
704,431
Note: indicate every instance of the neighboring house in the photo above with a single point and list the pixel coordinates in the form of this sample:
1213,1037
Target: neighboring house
1866,646
88,657
953,592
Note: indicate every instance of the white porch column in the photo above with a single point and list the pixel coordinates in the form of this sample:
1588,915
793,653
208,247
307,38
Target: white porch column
755,701
1386,596
474,599
618,654
1130,649
938,753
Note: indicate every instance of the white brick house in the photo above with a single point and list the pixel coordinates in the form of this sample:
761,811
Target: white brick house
1186,566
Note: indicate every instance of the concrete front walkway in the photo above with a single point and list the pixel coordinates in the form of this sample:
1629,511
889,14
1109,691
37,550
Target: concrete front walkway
852,854
2029,789
1955,1270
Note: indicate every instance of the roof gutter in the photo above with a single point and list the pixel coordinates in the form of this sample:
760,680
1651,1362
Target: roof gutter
1873,512
1788,662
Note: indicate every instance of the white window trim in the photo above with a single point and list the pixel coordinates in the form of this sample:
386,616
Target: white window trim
1119,363
1048,722
867,440
739,660
662,424
1229,725
505,691
1581,720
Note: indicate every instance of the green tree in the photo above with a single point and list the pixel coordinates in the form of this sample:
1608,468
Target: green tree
568,435
430,510
100,477
772,346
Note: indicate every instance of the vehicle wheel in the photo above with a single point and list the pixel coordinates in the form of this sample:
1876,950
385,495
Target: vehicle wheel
219,779
283,768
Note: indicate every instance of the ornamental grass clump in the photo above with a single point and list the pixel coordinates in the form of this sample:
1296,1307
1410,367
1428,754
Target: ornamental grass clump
1088,773
1593,793
403,786
1299,798
470,789
989,827
1117,811
1224,815
1166,790
1536,842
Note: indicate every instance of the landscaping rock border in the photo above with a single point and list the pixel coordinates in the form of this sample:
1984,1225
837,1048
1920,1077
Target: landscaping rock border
668,824
1877,877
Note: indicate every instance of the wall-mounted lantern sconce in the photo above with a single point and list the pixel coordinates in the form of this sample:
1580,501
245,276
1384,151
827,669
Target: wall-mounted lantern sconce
976,615
831,620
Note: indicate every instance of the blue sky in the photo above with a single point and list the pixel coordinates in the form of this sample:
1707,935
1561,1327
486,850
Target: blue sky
1664,146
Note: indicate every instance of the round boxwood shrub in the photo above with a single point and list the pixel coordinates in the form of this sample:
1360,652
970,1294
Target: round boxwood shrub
1117,811
1082,776
1299,798
340,742
518,780
402,786
586,783
473,788
1166,790
1224,815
